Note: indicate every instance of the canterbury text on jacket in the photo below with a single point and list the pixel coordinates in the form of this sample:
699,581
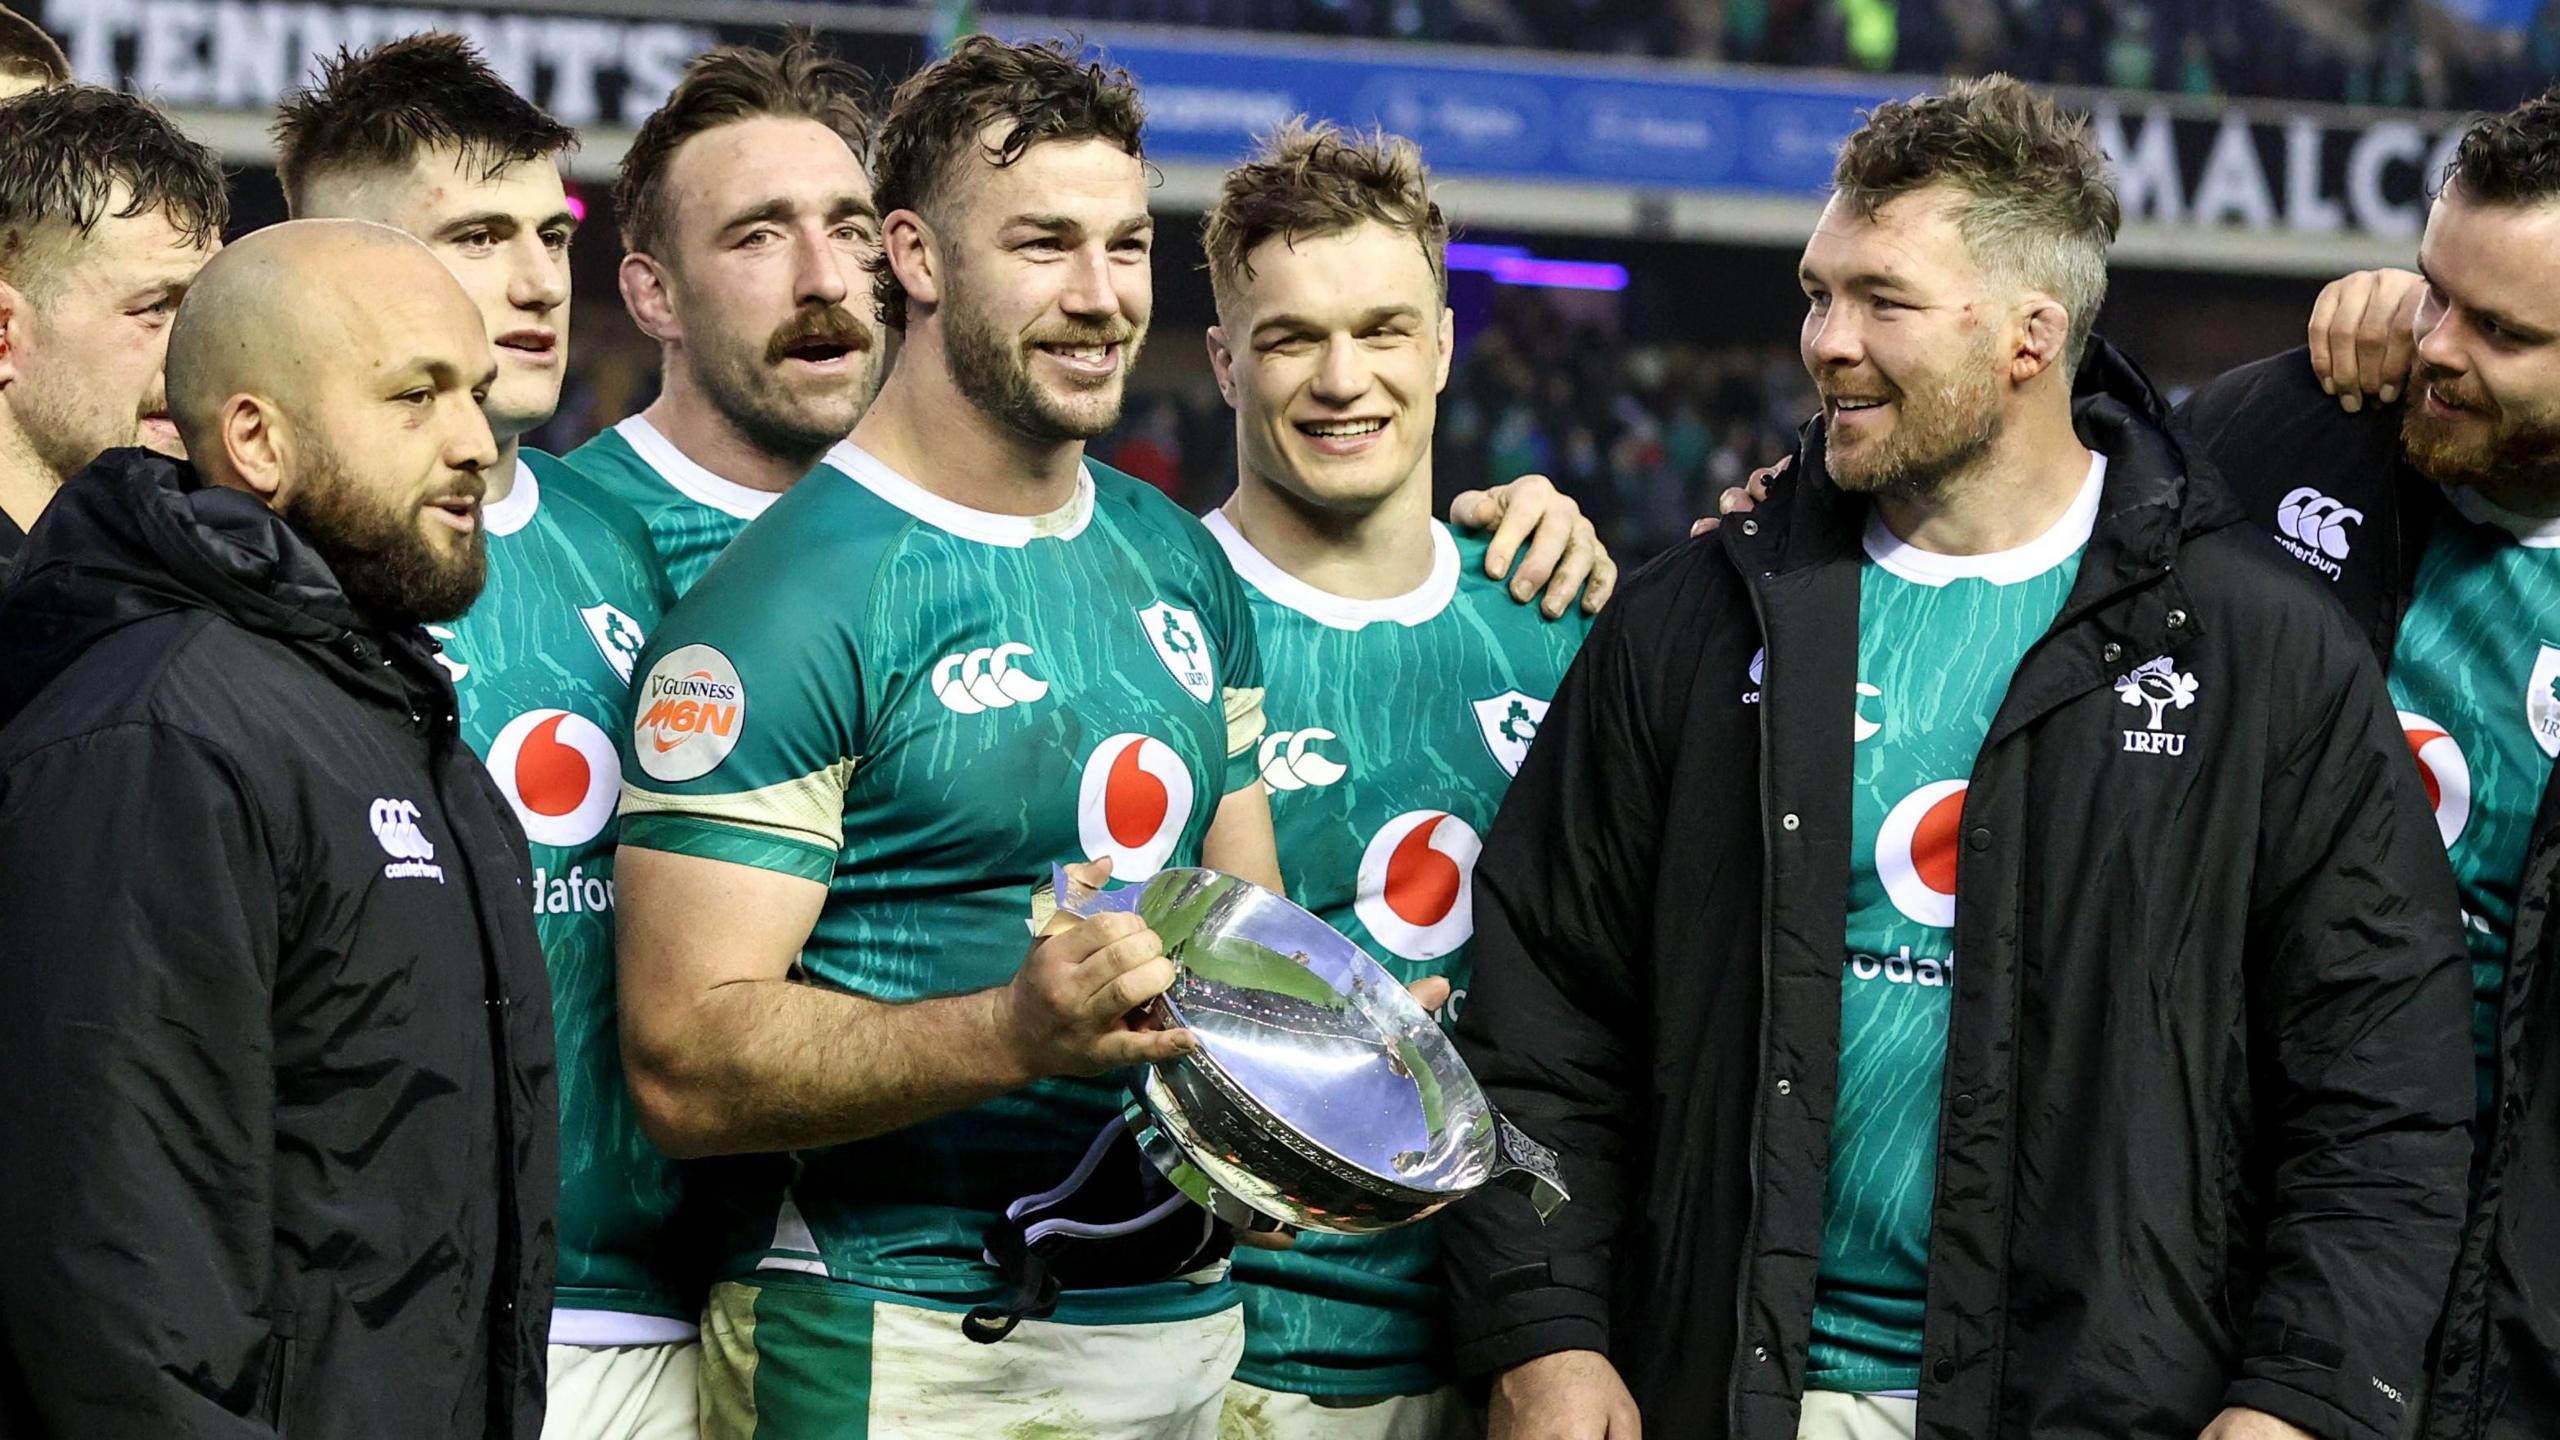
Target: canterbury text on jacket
274,1029
2206,1092
2331,488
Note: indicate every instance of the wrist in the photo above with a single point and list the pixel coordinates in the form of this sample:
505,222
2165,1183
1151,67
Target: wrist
1013,1060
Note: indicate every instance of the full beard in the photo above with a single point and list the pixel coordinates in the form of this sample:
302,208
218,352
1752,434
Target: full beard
1943,430
745,384
990,370
2515,464
388,568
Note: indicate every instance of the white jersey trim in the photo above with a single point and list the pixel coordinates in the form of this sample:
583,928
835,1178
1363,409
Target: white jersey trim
1422,603
689,479
2060,541
984,526
2531,532
506,517
617,1327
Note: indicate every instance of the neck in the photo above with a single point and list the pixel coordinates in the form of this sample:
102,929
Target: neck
26,483
499,480
922,427
685,414
2013,494
1373,554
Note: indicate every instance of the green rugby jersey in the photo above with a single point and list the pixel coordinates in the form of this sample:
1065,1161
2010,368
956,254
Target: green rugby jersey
1939,637
691,514
542,665
1396,725
2475,673
924,707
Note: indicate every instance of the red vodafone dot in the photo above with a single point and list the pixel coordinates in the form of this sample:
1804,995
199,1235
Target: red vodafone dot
2444,771
1916,852
1133,803
559,773
1415,894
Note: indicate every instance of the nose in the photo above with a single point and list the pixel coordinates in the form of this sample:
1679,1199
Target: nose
819,269
1340,376
540,280
2439,347
470,445
1088,290
1831,339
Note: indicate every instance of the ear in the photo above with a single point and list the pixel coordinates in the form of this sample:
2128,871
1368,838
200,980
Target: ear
645,293
13,322
256,451
2044,331
1222,363
1448,348
908,243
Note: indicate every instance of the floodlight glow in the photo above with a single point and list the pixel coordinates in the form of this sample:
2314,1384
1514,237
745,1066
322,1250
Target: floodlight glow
1514,265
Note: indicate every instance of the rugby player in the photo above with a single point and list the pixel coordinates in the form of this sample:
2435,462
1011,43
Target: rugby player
419,134
2435,517
106,214
961,653
1987,674
30,59
1403,686
746,217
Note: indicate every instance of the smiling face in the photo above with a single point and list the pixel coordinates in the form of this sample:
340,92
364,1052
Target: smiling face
1903,336
1047,286
90,333
506,237
2484,403
1333,352
770,224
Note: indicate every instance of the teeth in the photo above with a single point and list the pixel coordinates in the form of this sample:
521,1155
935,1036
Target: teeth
1346,429
1094,353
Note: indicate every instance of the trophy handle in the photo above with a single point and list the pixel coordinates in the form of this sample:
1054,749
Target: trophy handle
1523,1164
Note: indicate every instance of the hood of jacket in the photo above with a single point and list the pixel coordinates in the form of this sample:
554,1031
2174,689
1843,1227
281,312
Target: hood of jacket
137,536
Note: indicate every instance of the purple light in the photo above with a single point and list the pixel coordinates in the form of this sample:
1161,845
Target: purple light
1463,256
577,209
1560,274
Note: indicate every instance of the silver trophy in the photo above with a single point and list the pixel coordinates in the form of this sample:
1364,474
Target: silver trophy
1321,1097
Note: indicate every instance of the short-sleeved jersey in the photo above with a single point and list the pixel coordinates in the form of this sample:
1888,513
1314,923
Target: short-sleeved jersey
2475,673
1939,637
542,666
923,708
1396,726
691,514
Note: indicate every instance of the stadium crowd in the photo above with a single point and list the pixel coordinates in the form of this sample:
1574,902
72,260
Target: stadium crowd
602,945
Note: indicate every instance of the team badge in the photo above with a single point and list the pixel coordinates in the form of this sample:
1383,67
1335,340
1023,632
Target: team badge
1508,722
2542,701
616,634
1175,632
2163,687
692,707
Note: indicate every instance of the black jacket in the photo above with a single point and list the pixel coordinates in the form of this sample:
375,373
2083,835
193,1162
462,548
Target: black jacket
2360,519
2205,1112
274,1032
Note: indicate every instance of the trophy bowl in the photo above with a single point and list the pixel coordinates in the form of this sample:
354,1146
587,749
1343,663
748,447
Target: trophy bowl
1322,1096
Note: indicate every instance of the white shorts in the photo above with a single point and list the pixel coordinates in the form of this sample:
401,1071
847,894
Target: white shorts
1257,1414
623,1392
1832,1415
810,1361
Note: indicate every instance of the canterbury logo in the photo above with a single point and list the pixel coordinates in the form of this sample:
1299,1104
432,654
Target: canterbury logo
395,824
2317,523
975,681
1290,761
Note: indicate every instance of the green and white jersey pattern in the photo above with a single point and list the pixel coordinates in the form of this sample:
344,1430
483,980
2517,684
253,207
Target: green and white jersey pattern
691,514
2475,673
542,665
1939,637
1396,727
924,707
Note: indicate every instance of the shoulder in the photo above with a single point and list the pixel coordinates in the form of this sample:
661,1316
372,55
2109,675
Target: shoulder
809,565
2278,614
2269,429
1143,511
612,467
1489,602
188,678
585,505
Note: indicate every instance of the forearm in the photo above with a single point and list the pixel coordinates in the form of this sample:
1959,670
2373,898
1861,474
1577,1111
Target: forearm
770,1065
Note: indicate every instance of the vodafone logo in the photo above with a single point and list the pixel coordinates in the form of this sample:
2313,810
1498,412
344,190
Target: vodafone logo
560,773
973,682
2447,775
692,707
1417,884
1916,853
1133,804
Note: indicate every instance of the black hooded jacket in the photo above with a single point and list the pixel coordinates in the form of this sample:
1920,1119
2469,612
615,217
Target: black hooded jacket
275,1038
2333,490
2206,1092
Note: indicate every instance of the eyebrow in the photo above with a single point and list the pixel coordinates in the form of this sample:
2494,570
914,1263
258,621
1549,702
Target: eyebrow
1863,280
2522,330
783,207
1375,315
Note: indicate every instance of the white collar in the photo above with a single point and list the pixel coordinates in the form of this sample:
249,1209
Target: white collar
984,526
506,517
2060,541
689,479
1341,612
2478,509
